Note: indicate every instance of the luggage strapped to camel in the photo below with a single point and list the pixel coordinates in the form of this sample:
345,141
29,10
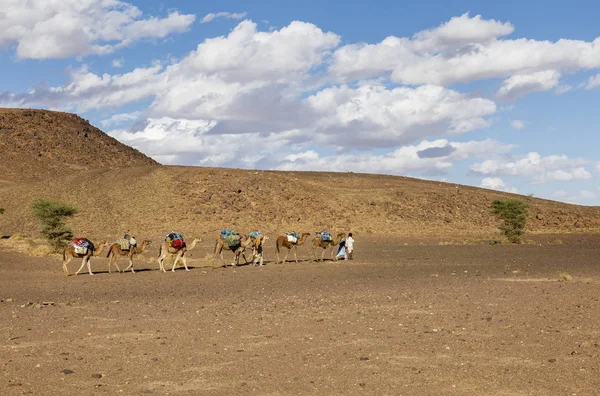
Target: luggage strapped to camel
231,237
292,237
175,240
81,245
325,236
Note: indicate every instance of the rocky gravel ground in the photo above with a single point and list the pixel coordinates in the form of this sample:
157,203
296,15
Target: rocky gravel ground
397,320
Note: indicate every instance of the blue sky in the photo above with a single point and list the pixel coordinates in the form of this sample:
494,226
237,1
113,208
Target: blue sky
494,94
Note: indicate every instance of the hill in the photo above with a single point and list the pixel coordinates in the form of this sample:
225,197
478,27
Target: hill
150,200
38,144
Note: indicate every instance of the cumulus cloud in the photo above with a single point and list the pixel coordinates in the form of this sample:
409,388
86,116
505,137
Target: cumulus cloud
464,49
593,82
379,117
254,81
198,145
118,63
228,15
521,84
540,169
495,183
517,124
579,173
581,197
40,29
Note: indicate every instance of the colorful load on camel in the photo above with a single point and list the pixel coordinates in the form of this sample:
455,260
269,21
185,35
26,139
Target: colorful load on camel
231,237
175,240
325,236
292,237
81,245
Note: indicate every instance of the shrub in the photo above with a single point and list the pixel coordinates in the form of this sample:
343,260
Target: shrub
51,217
514,215
1,210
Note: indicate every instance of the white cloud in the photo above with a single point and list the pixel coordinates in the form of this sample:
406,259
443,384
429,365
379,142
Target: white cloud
521,84
579,173
517,124
581,197
382,117
253,81
42,29
118,63
460,31
228,15
495,183
540,169
121,118
593,82
197,144
438,57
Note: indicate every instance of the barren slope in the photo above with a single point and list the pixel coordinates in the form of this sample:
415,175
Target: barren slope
37,144
152,200
116,188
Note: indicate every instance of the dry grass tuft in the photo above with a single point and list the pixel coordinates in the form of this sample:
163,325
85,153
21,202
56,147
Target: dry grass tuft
42,251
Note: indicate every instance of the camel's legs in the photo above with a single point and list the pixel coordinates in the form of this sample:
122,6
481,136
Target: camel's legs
323,254
286,256
130,264
160,264
184,262
65,269
296,253
333,255
176,260
83,262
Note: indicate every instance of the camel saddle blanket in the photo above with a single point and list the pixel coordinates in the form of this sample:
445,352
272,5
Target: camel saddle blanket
80,242
291,238
325,236
81,249
125,244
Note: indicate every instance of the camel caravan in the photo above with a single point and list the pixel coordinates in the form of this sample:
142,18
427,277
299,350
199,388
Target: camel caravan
175,246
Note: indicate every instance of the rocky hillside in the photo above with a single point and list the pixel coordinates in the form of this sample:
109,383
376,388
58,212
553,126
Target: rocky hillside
116,189
154,200
38,144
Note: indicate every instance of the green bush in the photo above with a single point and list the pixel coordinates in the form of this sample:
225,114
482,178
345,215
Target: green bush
1,210
51,217
514,215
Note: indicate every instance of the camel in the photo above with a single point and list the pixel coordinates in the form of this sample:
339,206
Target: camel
69,254
318,243
165,250
115,252
245,242
282,241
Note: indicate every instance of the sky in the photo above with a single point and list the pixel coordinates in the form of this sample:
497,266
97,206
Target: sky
499,95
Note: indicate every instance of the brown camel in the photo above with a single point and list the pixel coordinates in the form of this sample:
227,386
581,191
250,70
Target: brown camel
115,252
69,254
282,241
318,243
164,250
221,244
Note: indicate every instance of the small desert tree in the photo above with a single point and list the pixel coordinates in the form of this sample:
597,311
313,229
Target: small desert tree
51,216
514,215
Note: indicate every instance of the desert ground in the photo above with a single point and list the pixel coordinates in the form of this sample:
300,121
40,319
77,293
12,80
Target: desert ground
403,318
